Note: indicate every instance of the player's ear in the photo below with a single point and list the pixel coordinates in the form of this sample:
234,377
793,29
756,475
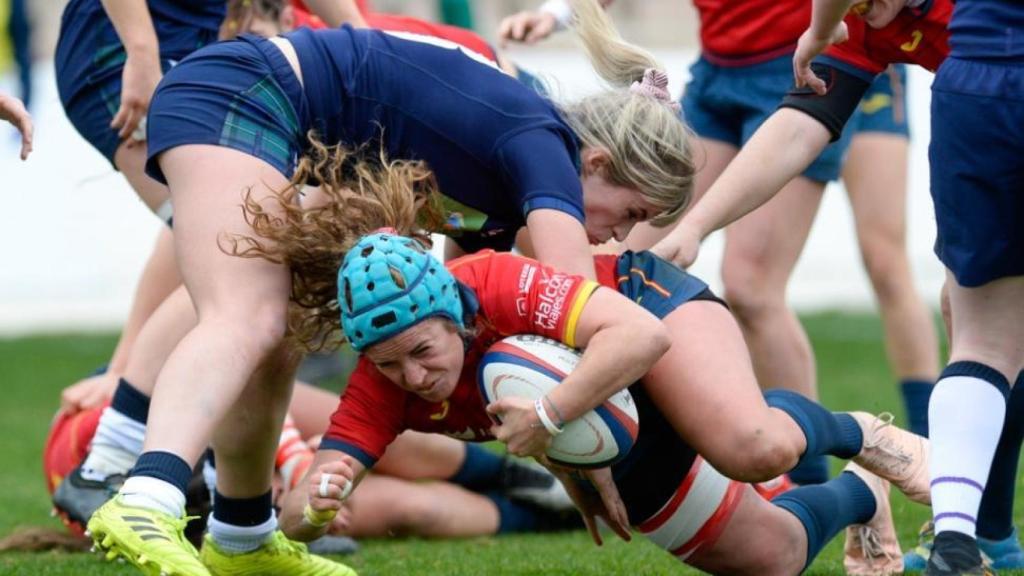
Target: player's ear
595,159
286,22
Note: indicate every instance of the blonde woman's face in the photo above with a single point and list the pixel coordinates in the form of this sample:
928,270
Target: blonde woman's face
426,359
610,210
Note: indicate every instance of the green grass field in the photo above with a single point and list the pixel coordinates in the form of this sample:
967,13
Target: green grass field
852,373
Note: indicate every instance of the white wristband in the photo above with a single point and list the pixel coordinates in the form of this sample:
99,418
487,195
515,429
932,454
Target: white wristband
561,10
549,425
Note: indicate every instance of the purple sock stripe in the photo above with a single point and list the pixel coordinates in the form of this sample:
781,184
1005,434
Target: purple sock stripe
959,515
957,480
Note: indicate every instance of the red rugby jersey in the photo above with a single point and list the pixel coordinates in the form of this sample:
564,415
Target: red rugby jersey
744,32
916,36
516,295
397,23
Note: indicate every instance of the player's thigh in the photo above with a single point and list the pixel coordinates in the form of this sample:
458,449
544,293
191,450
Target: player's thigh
875,175
762,248
706,387
760,538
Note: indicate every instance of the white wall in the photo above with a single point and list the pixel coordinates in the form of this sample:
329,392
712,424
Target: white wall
73,237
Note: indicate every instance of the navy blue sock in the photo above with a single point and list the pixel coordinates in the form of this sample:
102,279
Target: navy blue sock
916,394
995,515
810,470
164,466
832,433
480,470
130,402
513,516
243,511
827,508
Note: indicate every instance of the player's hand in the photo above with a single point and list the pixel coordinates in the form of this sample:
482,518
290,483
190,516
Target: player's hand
520,429
606,504
13,111
807,48
527,27
141,74
88,393
680,247
330,485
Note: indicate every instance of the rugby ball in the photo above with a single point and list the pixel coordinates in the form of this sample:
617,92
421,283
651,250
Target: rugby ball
528,366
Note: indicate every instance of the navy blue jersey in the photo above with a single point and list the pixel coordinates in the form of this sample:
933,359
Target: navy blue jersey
90,52
987,30
498,149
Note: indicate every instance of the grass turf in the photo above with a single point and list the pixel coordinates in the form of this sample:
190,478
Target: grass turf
852,372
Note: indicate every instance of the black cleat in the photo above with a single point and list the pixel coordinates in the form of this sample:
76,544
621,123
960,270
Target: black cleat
532,483
956,554
76,497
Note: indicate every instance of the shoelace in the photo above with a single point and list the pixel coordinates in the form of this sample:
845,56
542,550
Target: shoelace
875,441
871,543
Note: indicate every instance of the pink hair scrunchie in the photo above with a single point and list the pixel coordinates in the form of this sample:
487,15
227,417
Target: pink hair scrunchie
655,85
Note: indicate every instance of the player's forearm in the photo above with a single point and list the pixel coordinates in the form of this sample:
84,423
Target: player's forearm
615,358
783,147
337,12
827,14
292,520
560,241
134,26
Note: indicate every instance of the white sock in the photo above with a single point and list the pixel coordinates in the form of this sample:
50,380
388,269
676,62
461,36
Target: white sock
240,539
154,494
209,477
115,447
965,418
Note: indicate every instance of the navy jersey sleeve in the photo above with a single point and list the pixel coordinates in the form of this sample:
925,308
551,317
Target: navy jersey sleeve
541,169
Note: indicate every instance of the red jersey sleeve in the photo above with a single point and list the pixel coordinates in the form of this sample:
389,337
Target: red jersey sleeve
855,51
369,416
518,295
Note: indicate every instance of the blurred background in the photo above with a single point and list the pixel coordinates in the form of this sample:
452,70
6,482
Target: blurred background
73,237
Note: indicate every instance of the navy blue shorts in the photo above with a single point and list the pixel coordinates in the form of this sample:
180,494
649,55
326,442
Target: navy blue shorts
977,169
241,94
728,104
883,108
91,111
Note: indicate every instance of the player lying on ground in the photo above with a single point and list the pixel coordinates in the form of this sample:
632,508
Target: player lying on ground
443,332
477,493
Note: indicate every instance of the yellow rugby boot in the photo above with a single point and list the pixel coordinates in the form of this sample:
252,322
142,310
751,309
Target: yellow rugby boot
151,540
277,556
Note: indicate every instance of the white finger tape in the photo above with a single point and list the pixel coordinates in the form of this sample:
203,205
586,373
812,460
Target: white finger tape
325,481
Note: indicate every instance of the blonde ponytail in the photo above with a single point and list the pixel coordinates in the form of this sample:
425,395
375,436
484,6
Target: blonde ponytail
649,145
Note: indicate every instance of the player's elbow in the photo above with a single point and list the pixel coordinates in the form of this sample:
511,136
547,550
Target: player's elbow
654,337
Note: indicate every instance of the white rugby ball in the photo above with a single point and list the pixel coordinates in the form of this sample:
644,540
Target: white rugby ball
528,366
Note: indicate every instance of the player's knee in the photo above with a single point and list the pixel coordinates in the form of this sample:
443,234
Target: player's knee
757,456
255,333
418,516
887,267
749,296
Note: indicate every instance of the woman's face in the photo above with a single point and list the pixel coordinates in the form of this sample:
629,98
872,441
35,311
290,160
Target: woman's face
610,211
426,359
879,13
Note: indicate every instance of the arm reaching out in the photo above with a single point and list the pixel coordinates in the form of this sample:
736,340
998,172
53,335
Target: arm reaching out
311,508
780,149
827,28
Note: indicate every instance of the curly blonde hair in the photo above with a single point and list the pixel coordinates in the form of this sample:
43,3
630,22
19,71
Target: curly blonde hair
354,194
